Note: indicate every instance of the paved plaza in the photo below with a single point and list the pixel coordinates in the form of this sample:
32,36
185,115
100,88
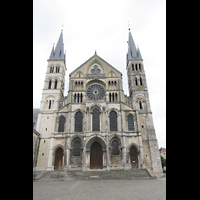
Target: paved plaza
138,189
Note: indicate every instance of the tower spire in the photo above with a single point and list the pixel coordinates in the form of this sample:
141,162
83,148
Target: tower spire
58,53
133,52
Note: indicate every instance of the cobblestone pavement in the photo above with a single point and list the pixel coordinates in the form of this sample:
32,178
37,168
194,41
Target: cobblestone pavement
149,189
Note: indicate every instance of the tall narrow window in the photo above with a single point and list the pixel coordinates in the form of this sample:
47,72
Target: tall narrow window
115,147
113,121
49,84
57,69
51,69
78,122
130,123
110,97
140,104
61,124
77,148
132,66
136,67
55,84
140,80
113,97
136,82
81,98
78,97
140,67
95,120
50,104
75,98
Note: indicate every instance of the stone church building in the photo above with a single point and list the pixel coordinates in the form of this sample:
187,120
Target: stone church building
96,126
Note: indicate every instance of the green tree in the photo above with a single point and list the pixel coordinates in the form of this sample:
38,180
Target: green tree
163,161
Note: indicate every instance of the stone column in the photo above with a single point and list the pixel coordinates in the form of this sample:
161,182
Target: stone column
107,148
84,155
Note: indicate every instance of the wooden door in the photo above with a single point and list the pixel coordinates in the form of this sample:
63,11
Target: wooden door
133,157
58,159
96,156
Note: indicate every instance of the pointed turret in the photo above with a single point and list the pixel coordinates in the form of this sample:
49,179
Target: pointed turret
133,53
58,53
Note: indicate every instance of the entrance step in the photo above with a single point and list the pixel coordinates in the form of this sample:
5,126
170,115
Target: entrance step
94,175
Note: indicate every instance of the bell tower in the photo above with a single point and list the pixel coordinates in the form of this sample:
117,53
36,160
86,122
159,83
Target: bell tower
53,91
141,105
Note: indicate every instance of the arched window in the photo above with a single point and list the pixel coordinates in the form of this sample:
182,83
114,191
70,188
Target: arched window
78,97
115,147
132,66
49,84
55,84
51,69
140,80
61,124
78,122
130,123
113,121
81,97
136,82
50,104
110,97
140,67
95,120
140,104
76,148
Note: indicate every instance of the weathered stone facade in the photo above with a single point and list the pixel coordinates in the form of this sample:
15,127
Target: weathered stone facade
123,126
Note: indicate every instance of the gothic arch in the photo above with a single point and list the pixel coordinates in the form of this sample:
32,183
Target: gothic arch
132,114
113,109
78,110
74,137
61,157
58,146
135,145
95,138
112,136
59,117
96,105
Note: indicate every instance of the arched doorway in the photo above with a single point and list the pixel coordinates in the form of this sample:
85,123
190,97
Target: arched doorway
58,159
133,157
96,156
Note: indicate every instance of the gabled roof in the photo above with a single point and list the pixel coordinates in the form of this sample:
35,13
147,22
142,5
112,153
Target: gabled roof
98,57
58,53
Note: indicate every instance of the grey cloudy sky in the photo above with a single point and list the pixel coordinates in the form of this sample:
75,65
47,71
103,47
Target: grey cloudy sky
101,25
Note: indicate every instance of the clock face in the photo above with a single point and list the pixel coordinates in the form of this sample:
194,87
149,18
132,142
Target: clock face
95,92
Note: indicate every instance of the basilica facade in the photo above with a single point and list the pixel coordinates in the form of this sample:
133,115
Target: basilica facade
96,126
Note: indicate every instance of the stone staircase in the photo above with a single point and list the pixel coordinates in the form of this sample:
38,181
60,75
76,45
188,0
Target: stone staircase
92,175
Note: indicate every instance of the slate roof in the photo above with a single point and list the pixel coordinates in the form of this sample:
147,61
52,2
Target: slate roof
58,53
133,52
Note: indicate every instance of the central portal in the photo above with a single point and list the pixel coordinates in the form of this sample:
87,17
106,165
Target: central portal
96,156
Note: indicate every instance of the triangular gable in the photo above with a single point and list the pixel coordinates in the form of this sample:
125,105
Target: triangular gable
94,56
